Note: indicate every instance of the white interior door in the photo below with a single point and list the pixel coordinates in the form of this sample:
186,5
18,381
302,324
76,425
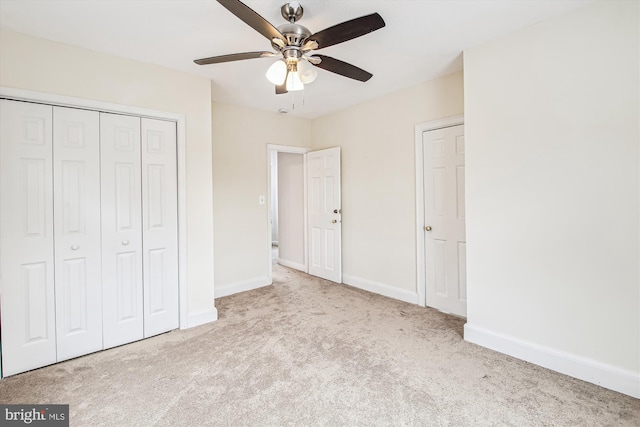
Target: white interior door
324,214
445,242
26,236
122,296
81,194
78,290
160,226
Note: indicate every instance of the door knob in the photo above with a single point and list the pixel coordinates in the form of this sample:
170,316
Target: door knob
125,242
75,247
336,210
427,228
334,221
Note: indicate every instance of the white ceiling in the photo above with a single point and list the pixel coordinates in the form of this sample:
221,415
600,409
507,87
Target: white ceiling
421,41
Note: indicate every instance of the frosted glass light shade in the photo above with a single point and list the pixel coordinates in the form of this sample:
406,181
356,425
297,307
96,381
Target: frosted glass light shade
277,72
293,82
307,72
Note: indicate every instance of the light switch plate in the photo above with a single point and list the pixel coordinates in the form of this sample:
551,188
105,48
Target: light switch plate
261,200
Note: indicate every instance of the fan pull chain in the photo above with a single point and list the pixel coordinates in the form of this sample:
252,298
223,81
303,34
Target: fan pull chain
293,99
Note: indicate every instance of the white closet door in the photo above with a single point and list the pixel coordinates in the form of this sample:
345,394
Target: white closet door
26,236
444,214
160,226
121,229
76,180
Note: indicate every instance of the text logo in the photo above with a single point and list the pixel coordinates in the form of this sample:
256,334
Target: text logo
35,415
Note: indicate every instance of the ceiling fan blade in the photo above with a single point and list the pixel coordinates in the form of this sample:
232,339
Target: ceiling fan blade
280,89
232,57
347,30
252,19
340,67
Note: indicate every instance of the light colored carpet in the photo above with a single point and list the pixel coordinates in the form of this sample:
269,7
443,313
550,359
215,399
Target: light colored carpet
306,352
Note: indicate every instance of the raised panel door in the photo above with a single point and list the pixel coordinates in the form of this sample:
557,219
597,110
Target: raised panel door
445,242
160,226
324,214
122,287
26,236
76,169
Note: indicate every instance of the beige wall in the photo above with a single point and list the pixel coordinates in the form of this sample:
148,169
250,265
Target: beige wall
39,65
242,232
378,179
552,136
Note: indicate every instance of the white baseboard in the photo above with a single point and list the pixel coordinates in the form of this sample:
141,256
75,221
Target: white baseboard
291,264
604,375
380,288
247,285
197,319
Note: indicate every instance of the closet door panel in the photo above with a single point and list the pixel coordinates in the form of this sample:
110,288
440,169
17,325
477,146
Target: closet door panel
76,169
123,313
160,225
26,236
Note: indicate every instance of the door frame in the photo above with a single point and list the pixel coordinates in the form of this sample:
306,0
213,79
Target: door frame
294,150
420,128
107,107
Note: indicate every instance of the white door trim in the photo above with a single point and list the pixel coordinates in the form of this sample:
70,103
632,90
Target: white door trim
107,107
420,245
294,150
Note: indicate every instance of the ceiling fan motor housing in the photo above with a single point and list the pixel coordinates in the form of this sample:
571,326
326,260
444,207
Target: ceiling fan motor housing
292,11
295,34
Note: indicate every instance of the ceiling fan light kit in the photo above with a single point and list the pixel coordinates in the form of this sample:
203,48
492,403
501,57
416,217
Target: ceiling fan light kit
291,72
307,73
293,78
277,73
295,45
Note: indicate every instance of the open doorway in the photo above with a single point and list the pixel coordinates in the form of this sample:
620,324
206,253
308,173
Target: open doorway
287,207
273,206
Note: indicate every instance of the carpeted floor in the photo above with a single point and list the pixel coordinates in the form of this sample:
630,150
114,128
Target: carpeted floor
306,352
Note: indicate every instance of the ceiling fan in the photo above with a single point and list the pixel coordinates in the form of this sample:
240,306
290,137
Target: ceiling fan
295,45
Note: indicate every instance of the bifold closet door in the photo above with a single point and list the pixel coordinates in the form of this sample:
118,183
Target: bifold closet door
26,236
122,294
139,228
76,189
88,232
160,226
